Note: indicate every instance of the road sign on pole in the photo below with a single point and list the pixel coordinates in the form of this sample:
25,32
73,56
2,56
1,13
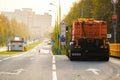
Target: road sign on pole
59,36
62,40
63,28
114,2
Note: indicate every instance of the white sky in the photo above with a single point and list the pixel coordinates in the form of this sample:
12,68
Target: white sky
38,6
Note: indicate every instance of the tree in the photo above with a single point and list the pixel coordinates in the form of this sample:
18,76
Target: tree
97,9
10,29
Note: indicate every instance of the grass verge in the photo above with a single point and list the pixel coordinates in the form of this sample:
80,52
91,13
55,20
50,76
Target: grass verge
31,46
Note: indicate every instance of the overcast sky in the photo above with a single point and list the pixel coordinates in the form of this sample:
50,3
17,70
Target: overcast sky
38,6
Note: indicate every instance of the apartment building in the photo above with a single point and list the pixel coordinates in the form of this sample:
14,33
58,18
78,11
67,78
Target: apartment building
39,25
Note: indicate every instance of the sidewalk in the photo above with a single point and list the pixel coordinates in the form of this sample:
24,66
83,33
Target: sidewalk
3,49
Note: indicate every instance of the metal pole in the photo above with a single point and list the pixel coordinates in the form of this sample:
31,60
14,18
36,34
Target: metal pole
56,26
114,25
59,24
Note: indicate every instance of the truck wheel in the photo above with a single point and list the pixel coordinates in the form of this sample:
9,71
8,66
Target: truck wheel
71,59
70,56
106,58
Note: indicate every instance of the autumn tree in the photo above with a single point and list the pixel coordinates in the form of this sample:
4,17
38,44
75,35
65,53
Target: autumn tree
10,29
97,9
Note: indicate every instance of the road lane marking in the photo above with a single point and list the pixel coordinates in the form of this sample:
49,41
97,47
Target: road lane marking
44,51
7,58
17,72
13,57
53,67
53,57
53,61
95,71
54,73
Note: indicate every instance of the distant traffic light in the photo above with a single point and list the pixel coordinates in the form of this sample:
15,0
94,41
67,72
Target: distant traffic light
114,17
114,23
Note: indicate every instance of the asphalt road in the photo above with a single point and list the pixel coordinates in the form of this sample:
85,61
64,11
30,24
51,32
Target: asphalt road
40,64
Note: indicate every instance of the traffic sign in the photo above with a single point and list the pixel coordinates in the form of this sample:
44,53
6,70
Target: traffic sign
63,28
62,39
109,35
59,36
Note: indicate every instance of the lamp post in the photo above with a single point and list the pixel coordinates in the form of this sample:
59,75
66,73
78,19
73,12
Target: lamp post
57,26
59,11
114,2
58,23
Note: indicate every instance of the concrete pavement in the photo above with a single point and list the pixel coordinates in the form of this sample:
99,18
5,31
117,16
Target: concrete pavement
40,64
3,49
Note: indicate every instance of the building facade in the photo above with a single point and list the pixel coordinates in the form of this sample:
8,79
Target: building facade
39,25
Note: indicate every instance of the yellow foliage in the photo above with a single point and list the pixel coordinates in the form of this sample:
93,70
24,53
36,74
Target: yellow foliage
10,29
84,19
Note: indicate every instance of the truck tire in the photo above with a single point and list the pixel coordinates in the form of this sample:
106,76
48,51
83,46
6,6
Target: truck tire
70,53
71,59
106,58
70,56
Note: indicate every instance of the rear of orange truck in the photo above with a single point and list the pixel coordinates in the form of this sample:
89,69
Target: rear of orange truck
89,40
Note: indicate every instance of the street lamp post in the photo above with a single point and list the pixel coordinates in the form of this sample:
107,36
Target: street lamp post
114,2
56,14
58,22
57,26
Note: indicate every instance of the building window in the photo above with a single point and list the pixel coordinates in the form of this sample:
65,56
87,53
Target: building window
20,45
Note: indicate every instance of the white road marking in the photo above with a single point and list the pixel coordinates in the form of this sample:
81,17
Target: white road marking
12,57
54,58
95,71
54,74
17,56
53,61
53,67
7,58
17,72
44,51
